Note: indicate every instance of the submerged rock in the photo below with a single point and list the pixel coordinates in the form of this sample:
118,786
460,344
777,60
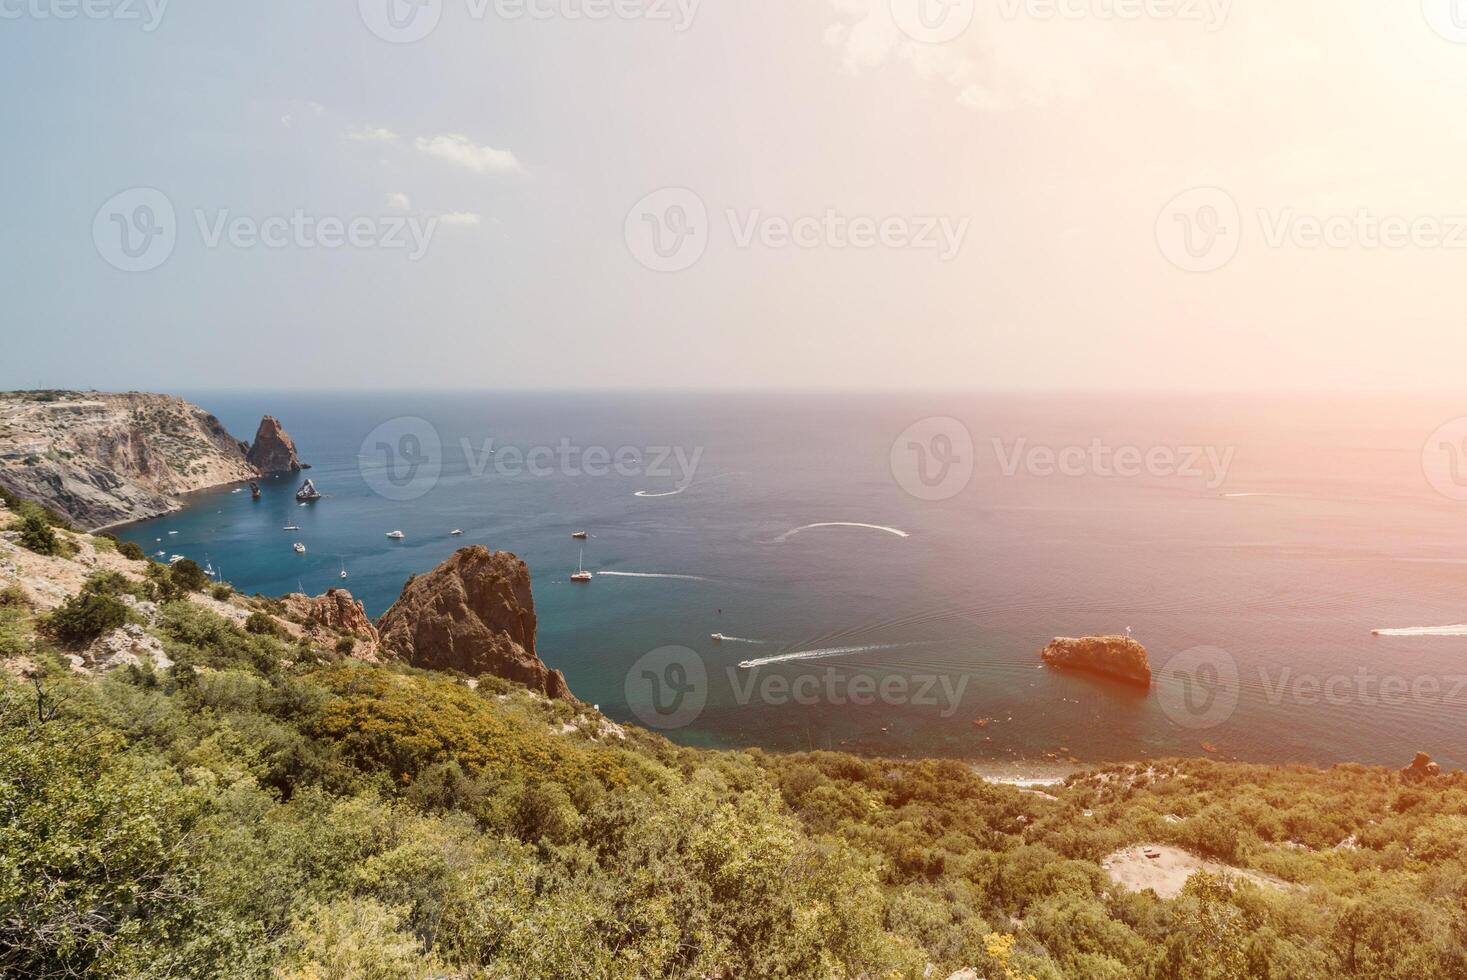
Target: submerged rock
1118,657
273,451
474,614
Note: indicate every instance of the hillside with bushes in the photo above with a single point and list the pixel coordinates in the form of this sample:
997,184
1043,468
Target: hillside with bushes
233,794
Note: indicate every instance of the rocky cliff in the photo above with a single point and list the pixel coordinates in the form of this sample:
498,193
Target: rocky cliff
475,614
104,459
273,451
1118,657
337,614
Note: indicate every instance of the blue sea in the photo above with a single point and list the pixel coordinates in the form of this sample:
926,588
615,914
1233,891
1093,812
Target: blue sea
891,565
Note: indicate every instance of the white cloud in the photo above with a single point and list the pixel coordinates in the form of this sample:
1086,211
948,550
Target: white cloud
398,201
460,218
370,134
464,152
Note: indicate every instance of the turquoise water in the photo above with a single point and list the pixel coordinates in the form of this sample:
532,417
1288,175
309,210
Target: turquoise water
1323,529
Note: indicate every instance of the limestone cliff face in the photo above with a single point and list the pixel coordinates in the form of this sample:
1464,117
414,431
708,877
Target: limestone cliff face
337,613
1118,657
104,459
273,451
475,614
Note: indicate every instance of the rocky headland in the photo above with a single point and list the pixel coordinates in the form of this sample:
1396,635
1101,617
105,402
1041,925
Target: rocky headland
1120,658
473,614
102,459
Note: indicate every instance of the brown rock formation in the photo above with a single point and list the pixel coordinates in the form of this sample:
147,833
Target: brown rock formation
273,452
104,459
1118,657
338,613
1420,769
475,614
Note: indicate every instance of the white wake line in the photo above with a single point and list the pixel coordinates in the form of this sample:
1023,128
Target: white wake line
1424,631
685,578
821,654
870,527
741,639
669,493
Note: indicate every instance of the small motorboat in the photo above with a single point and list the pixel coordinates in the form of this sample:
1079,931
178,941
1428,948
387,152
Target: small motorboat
717,637
300,549
237,490
580,535
746,665
307,492
456,533
160,554
396,535
171,533
175,559
343,570
291,527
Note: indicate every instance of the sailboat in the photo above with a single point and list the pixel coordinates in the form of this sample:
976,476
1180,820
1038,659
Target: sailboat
581,574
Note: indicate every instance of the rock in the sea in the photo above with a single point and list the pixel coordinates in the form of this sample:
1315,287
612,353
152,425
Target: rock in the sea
1118,657
475,614
273,451
338,612
1421,768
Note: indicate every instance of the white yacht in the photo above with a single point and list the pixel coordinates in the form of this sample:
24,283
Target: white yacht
396,535
300,549
581,574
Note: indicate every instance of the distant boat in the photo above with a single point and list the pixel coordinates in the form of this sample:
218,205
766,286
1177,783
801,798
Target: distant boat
172,532
307,492
291,527
237,490
396,535
300,549
456,533
580,535
160,554
581,574
717,637
175,559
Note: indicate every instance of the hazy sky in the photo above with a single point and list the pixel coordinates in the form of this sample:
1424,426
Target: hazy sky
1010,193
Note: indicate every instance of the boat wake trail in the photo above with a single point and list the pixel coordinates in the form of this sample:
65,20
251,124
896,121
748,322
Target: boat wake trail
870,527
725,638
1425,631
685,578
820,654
668,493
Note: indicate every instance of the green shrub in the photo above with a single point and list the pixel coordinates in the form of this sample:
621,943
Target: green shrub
188,576
221,592
345,646
36,533
261,624
84,617
131,550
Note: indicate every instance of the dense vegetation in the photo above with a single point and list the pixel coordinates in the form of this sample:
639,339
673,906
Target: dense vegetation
268,808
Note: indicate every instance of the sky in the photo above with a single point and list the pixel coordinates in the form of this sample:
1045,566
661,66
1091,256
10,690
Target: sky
996,194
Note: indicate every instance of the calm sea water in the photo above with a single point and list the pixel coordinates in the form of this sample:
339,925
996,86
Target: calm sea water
1257,592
